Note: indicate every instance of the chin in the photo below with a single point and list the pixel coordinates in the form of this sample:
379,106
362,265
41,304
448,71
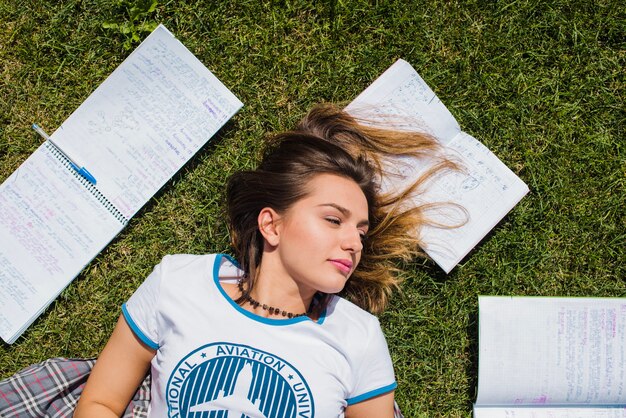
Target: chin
332,288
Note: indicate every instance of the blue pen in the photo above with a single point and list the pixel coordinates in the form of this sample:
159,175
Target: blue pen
76,166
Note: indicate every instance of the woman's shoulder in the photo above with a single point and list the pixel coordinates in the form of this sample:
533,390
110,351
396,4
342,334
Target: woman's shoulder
188,265
176,261
341,310
355,330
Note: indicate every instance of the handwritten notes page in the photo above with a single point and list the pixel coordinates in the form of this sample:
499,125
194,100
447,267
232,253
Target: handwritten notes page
486,189
551,357
133,133
146,120
51,227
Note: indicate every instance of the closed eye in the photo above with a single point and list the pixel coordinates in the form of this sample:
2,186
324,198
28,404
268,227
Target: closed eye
337,221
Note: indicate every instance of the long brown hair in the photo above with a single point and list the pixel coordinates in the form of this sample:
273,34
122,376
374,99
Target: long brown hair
330,141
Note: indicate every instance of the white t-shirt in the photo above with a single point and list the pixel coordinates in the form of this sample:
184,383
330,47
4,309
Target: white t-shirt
213,355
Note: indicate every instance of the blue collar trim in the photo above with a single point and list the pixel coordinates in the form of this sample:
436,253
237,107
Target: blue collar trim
268,321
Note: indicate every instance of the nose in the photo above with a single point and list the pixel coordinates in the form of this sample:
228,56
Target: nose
352,241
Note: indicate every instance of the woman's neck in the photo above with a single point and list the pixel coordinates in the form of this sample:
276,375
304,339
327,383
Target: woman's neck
276,288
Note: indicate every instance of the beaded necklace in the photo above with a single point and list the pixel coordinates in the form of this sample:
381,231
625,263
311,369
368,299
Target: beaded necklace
265,307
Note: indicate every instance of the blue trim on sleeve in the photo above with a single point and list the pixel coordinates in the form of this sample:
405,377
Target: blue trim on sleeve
372,393
137,331
255,317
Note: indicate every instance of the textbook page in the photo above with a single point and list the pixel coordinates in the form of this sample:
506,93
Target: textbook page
51,227
485,190
565,412
542,351
146,120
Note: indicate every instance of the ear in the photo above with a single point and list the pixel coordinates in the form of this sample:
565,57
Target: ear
268,225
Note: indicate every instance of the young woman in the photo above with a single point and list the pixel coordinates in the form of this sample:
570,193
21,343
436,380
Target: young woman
284,330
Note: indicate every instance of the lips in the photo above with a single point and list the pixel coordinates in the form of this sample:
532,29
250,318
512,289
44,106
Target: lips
345,266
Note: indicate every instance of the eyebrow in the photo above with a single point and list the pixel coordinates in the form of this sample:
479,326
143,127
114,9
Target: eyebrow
346,212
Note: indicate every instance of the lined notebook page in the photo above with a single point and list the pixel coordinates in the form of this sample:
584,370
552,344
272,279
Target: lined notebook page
51,227
545,351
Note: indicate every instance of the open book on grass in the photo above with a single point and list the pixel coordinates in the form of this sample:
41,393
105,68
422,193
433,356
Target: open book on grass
542,357
486,188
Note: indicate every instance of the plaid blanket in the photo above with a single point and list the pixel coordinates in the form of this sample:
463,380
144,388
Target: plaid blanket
51,389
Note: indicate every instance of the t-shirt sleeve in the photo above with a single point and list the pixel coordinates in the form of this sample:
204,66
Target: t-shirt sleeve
374,374
141,310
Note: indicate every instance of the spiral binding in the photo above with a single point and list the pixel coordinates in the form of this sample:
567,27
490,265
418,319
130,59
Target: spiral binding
90,187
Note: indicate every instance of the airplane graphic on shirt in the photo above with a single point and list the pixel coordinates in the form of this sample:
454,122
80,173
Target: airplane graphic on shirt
237,403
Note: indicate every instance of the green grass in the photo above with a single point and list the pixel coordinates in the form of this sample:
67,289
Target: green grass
541,83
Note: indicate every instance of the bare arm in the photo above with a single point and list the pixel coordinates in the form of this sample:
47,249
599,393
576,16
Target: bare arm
379,407
119,371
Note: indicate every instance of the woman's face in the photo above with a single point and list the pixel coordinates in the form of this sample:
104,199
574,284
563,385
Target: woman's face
320,238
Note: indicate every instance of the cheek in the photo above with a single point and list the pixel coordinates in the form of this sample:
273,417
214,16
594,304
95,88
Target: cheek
304,235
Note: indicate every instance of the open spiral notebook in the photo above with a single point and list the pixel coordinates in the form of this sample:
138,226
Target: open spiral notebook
134,132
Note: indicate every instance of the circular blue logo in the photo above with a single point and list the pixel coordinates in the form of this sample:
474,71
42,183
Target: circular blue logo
233,380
